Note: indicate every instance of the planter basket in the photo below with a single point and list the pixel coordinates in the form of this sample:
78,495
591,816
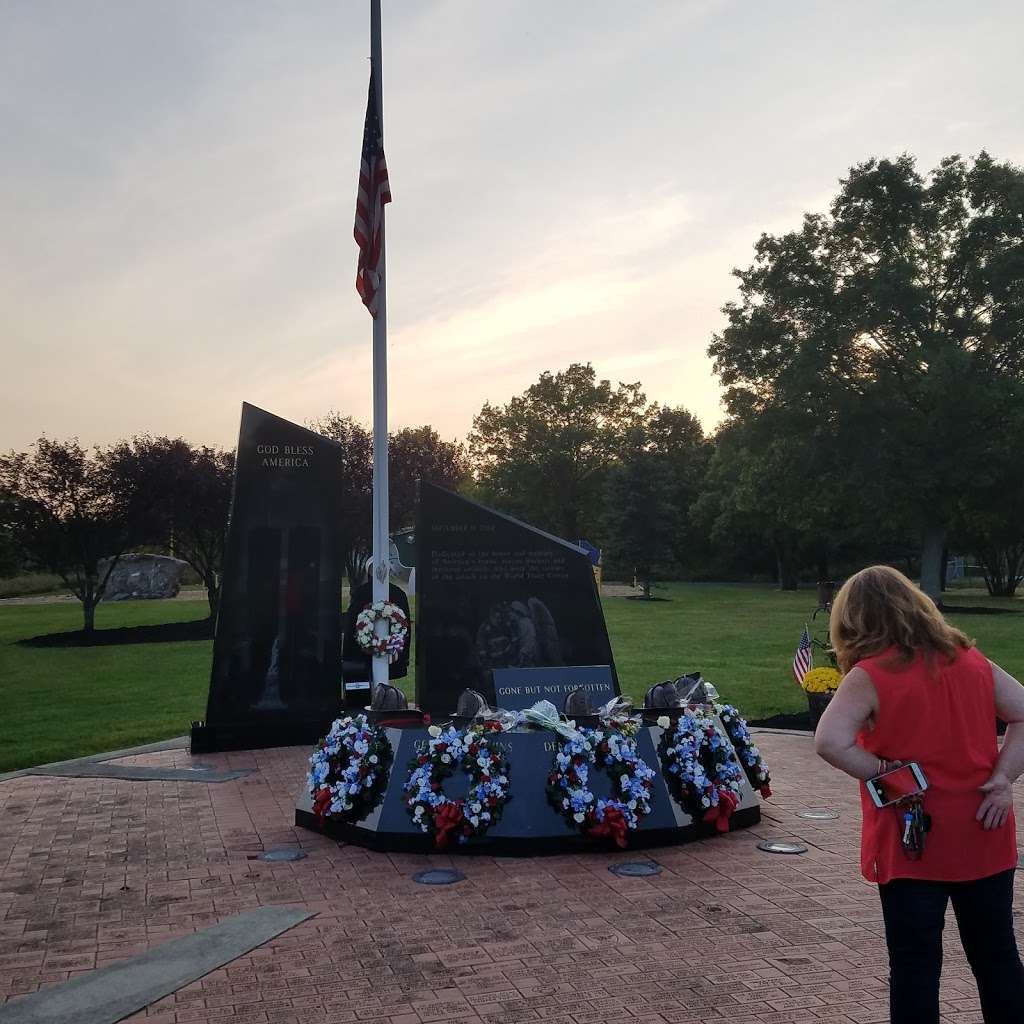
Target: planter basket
816,703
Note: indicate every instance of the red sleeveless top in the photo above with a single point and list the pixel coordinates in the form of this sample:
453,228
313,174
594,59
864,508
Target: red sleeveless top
943,716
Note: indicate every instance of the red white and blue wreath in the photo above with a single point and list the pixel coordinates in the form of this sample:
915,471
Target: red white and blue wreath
612,746
348,770
392,643
746,750
473,750
701,769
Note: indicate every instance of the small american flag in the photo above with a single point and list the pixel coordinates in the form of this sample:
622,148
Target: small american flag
802,658
374,192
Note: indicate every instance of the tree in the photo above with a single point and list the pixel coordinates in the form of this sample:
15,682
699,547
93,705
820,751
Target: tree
639,513
677,437
200,525
356,525
545,455
419,453
11,556
903,309
752,490
192,507
70,509
415,453
991,521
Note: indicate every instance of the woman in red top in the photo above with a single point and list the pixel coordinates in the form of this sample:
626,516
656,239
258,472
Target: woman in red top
916,689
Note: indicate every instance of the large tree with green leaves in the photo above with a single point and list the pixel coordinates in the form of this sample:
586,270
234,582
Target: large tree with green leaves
990,526
415,453
74,512
675,436
546,453
420,453
641,517
193,506
356,444
902,312
12,558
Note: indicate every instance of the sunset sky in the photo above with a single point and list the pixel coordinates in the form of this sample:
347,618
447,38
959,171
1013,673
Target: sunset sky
573,180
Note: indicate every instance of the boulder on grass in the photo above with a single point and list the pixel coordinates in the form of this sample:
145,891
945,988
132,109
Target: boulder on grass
143,577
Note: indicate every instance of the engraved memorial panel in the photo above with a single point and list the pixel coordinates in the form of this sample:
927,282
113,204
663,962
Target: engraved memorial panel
276,676
495,593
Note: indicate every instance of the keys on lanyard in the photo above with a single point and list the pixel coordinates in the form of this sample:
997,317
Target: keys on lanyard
915,825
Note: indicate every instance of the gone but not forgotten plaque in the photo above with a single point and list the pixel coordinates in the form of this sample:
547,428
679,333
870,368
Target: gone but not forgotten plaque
519,688
276,675
495,593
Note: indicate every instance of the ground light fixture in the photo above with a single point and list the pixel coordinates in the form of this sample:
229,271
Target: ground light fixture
636,868
781,846
438,876
285,854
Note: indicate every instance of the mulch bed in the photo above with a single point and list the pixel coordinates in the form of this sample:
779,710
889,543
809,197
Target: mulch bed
978,610
168,632
801,720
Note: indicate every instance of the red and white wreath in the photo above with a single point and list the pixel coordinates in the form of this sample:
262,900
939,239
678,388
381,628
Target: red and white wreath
392,643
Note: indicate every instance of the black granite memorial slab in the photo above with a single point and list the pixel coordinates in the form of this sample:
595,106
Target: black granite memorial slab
495,593
517,689
276,677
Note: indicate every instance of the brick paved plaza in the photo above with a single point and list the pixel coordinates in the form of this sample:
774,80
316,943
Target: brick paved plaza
95,870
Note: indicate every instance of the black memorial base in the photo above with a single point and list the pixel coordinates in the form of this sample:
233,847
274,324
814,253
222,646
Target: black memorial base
529,825
209,738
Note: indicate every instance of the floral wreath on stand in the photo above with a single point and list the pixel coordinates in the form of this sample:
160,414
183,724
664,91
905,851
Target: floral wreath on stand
701,768
611,746
746,750
472,750
392,643
348,770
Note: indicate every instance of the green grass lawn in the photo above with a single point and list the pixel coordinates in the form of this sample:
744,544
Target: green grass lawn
58,703
61,703
742,638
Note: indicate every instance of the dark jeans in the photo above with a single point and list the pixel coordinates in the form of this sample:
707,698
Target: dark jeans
914,913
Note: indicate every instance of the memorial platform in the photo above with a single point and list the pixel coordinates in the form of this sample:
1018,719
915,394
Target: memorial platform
529,825
95,871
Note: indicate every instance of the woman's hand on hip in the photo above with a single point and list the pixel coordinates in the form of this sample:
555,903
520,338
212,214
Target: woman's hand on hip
997,803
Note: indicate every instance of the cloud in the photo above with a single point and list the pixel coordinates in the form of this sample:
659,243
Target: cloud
178,184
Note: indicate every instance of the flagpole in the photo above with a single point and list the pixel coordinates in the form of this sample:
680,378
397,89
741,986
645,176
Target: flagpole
381,552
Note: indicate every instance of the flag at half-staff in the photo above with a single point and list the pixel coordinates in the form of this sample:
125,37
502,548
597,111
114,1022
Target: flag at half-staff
374,192
371,283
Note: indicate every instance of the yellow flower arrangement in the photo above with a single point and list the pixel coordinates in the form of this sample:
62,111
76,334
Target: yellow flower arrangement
821,680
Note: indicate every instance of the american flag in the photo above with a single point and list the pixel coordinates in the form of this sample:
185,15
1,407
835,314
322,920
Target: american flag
802,658
374,192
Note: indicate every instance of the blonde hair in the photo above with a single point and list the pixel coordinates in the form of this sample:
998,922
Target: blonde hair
878,608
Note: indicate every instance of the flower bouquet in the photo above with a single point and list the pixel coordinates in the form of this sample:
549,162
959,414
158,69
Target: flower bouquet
819,684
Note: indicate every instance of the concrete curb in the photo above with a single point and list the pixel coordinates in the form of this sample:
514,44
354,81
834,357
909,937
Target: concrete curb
177,743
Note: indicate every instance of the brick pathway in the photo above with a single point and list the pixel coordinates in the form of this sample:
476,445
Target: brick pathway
93,870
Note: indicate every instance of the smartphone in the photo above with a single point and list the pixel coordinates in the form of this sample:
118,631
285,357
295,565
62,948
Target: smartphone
895,785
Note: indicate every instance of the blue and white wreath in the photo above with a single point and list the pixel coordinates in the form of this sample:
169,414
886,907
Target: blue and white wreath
701,768
612,746
472,750
348,770
746,750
